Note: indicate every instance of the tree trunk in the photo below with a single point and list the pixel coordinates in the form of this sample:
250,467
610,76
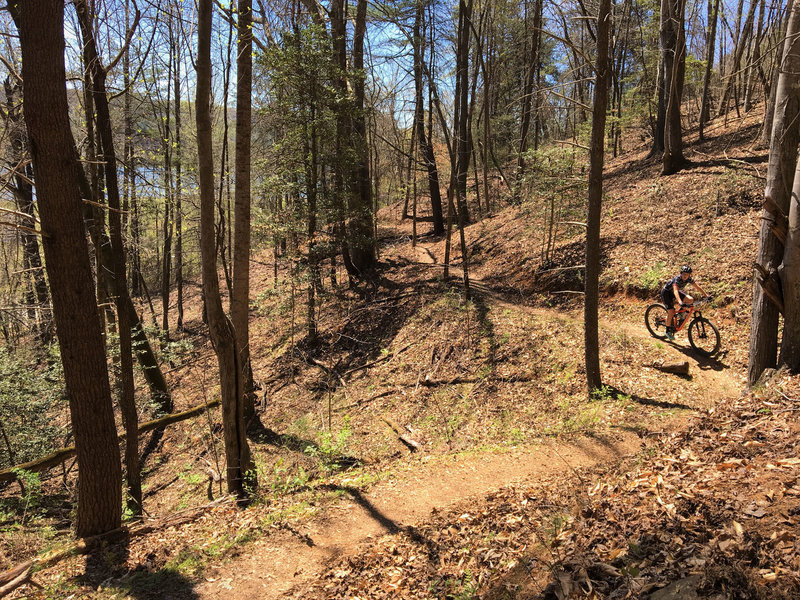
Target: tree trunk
705,106
673,43
240,303
528,90
765,137
55,161
426,148
168,224
790,278
23,194
596,160
127,397
780,172
738,52
362,238
239,468
178,159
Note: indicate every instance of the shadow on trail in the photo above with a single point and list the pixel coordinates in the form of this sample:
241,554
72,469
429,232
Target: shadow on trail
388,524
704,363
617,393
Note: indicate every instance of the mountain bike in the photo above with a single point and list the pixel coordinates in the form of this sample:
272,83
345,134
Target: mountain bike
703,335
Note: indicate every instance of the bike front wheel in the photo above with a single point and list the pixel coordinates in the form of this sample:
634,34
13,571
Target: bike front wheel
704,337
655,318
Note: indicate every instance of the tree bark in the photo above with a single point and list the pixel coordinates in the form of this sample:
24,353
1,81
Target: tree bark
41,29
239,468
790,278
362,246
240,303
127,396
673,43
426,148
705,105
596,161
780,173
528,91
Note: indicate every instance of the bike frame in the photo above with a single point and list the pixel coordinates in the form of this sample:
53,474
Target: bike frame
694,313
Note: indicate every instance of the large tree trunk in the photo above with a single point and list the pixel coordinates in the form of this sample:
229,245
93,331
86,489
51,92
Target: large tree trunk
780,172
596,160
240,303
239,469
41,29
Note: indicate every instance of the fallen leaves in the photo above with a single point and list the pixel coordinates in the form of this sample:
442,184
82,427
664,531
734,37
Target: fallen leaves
712,513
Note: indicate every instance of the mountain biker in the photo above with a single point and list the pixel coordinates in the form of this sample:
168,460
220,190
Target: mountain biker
672,294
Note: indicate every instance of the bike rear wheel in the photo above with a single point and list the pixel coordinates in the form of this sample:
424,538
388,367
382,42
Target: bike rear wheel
704,336
655,318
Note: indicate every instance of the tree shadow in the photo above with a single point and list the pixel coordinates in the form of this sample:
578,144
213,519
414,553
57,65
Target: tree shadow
265,435
162,584
107,566
619,394
390,526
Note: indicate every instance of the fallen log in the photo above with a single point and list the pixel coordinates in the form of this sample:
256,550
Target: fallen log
410,444
59,456
680,368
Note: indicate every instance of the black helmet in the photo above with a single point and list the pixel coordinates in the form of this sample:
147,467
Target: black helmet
686,269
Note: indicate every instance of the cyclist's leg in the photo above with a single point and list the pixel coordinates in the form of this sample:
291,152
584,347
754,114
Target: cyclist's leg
669,302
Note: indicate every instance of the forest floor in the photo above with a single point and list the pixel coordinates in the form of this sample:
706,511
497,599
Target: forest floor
519,486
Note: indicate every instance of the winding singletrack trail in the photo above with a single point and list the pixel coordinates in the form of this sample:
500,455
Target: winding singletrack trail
287,560
282,565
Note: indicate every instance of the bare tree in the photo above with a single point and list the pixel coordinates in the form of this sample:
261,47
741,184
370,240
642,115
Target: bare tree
240,301
239,465
596,161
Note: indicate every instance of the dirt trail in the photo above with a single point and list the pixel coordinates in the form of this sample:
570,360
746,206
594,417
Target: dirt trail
286,561
283,564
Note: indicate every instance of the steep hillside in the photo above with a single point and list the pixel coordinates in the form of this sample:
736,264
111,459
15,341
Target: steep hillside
482,393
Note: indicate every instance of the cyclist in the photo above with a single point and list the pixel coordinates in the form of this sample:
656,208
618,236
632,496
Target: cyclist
672,294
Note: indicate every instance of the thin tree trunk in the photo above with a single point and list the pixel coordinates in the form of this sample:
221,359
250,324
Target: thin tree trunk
127,398
705,106
528,91
596,160
673,40
426,148
240,303
239,469
178,159
168,224
362,246
738,52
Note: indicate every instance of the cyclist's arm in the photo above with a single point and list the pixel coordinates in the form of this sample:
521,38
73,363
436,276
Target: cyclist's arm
677,292
702,291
